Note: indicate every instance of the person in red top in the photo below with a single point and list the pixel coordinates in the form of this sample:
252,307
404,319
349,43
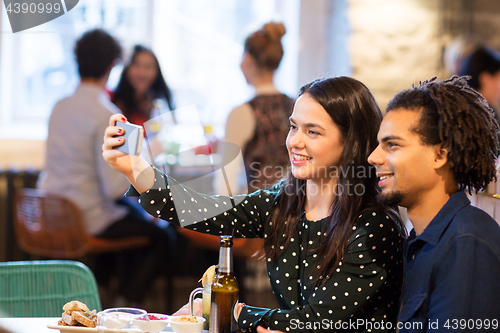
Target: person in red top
141,83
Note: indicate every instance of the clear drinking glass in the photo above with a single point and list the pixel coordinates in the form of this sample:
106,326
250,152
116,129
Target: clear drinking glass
123,320
206,294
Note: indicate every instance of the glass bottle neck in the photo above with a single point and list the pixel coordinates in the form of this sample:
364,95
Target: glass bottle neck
226,260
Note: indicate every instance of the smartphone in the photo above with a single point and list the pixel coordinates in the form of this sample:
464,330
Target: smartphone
133,135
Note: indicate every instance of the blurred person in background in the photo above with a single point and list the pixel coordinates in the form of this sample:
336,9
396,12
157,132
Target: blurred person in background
140,85
483,65
456,51
259,127
76,169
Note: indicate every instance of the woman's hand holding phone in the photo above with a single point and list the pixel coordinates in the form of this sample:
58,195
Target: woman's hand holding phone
135,168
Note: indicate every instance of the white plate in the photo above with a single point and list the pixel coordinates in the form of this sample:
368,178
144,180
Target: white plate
72,329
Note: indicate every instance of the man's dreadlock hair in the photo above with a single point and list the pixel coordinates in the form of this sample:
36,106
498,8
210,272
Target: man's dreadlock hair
459,118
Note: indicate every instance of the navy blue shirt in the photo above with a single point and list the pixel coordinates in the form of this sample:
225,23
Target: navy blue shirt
452,272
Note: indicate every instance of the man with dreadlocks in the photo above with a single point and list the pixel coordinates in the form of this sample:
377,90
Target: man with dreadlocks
437,141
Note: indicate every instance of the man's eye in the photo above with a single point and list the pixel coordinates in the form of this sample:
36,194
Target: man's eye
391,144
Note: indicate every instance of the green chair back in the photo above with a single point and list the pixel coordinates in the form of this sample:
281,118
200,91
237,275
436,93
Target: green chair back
41,288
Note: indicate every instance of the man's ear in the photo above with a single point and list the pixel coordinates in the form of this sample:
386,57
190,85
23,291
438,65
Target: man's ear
441,157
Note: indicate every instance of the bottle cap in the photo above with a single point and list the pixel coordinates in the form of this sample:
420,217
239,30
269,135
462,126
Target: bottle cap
226,240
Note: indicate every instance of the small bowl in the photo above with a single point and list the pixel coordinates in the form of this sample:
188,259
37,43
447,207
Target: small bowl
186,327
118,318
157,322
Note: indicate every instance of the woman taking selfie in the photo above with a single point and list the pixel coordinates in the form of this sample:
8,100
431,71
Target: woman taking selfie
333,252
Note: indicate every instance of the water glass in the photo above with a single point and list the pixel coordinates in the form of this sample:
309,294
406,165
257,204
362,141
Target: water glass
123,320
206,294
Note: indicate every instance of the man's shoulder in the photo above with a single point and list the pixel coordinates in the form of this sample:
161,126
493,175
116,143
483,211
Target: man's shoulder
63,103
78,104
471,217
474,222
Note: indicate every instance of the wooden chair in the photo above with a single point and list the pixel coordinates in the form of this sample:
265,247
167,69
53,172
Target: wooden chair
50,225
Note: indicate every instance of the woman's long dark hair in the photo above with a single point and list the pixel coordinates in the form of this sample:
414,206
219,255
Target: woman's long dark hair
124,92
354,110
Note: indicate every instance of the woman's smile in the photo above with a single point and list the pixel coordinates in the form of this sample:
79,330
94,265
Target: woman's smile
298,159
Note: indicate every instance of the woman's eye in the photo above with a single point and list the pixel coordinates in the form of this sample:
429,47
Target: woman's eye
313,132
291,126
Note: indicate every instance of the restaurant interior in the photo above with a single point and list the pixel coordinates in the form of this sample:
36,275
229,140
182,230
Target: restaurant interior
386,44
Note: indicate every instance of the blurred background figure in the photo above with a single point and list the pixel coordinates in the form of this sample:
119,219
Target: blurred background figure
75,168
483,65
141,85
456,51
259,127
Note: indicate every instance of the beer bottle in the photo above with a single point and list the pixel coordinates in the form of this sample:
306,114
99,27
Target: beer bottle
224,299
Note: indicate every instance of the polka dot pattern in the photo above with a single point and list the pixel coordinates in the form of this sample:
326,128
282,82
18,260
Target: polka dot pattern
367,277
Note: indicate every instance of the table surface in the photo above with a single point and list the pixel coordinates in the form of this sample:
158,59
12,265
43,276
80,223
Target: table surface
35,325
28,325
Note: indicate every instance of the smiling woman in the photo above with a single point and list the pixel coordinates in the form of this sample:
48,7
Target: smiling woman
326,144
331,255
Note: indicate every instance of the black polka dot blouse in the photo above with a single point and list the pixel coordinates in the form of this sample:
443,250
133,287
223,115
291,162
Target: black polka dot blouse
361,296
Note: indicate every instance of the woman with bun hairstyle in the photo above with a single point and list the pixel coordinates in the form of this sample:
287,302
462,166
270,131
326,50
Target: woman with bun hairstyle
140,84
333,252
259,126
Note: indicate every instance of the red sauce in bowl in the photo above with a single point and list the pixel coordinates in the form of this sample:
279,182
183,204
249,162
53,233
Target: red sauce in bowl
154,317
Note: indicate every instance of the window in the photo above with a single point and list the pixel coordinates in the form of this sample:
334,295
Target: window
37,65
198,44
